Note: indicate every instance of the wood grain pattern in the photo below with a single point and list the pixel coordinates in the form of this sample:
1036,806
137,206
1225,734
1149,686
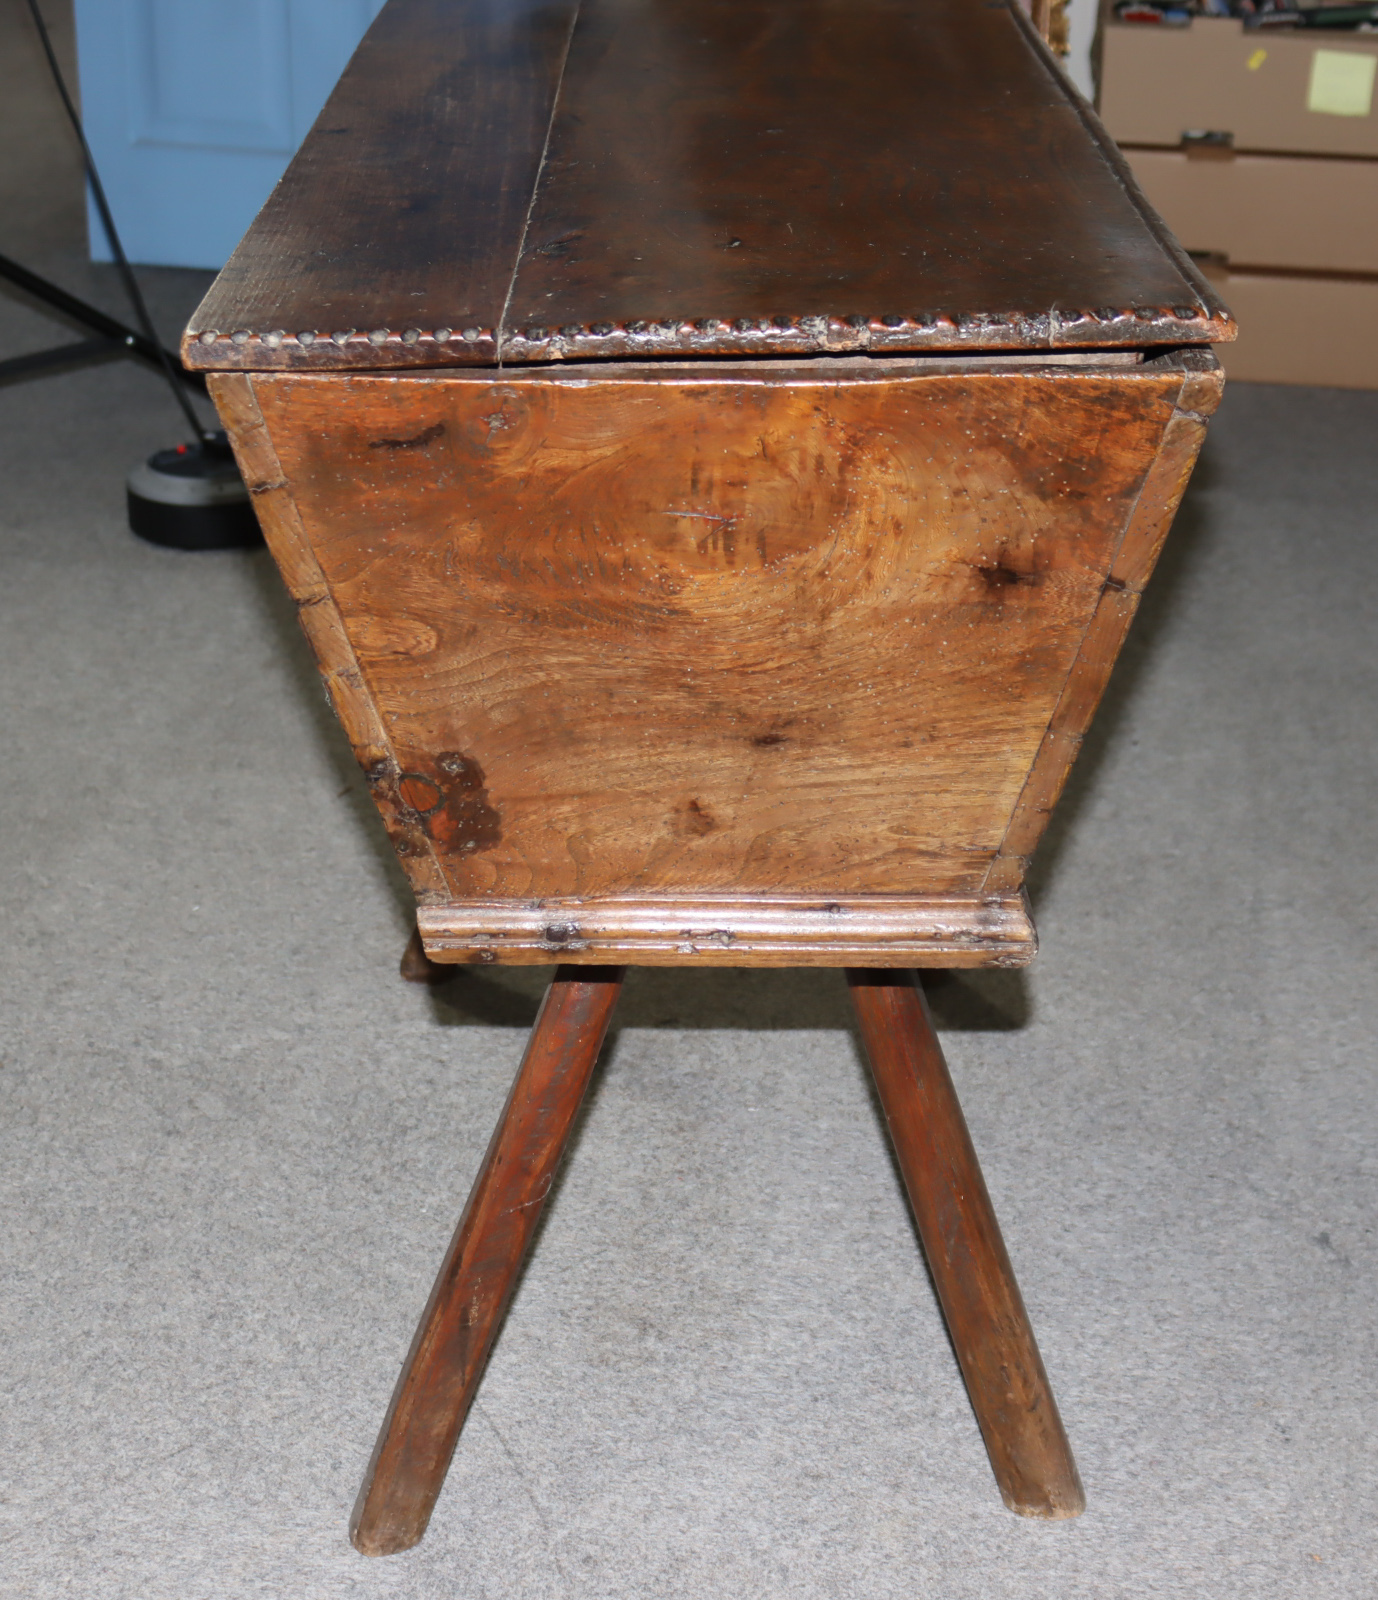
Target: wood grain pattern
742,177
732,632
966,1254
479,1273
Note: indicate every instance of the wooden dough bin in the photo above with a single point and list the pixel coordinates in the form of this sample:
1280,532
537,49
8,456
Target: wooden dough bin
717,448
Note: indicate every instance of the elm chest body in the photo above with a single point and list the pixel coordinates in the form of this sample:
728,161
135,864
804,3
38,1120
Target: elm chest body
716,450
716,447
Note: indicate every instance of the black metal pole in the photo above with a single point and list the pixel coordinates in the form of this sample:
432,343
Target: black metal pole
118,334
150,334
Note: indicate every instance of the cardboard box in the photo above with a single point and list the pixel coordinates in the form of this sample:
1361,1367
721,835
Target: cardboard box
1306,213
1300,330
1292,92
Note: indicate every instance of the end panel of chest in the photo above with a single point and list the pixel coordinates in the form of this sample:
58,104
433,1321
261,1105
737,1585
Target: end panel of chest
737,637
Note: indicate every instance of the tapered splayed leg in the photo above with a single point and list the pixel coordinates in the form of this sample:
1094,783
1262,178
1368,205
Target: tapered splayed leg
442,1371
417,967
985,1313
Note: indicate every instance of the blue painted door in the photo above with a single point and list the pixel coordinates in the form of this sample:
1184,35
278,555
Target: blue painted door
194,107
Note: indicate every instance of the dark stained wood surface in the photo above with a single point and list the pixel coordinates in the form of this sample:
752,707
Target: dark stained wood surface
880,161
479,1273
406,203
966,1254
757,177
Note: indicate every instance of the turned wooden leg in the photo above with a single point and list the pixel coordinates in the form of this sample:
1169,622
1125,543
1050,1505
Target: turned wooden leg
479,1273
417,967
985,1313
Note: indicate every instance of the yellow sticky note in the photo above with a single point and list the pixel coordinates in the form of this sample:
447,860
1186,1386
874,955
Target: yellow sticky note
1341,83
1256,60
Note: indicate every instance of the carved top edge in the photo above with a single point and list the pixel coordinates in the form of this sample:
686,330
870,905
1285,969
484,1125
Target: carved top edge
473,345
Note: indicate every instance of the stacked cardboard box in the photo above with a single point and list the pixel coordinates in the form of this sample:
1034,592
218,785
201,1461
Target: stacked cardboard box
1260,149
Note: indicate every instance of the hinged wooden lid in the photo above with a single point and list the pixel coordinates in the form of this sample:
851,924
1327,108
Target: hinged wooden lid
535,180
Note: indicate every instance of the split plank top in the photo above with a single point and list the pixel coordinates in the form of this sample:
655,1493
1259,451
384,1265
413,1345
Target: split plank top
503,181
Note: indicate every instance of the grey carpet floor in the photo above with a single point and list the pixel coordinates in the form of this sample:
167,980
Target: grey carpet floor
233,1143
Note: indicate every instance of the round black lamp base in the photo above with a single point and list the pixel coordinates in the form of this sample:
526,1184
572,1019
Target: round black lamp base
193,527
192,498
